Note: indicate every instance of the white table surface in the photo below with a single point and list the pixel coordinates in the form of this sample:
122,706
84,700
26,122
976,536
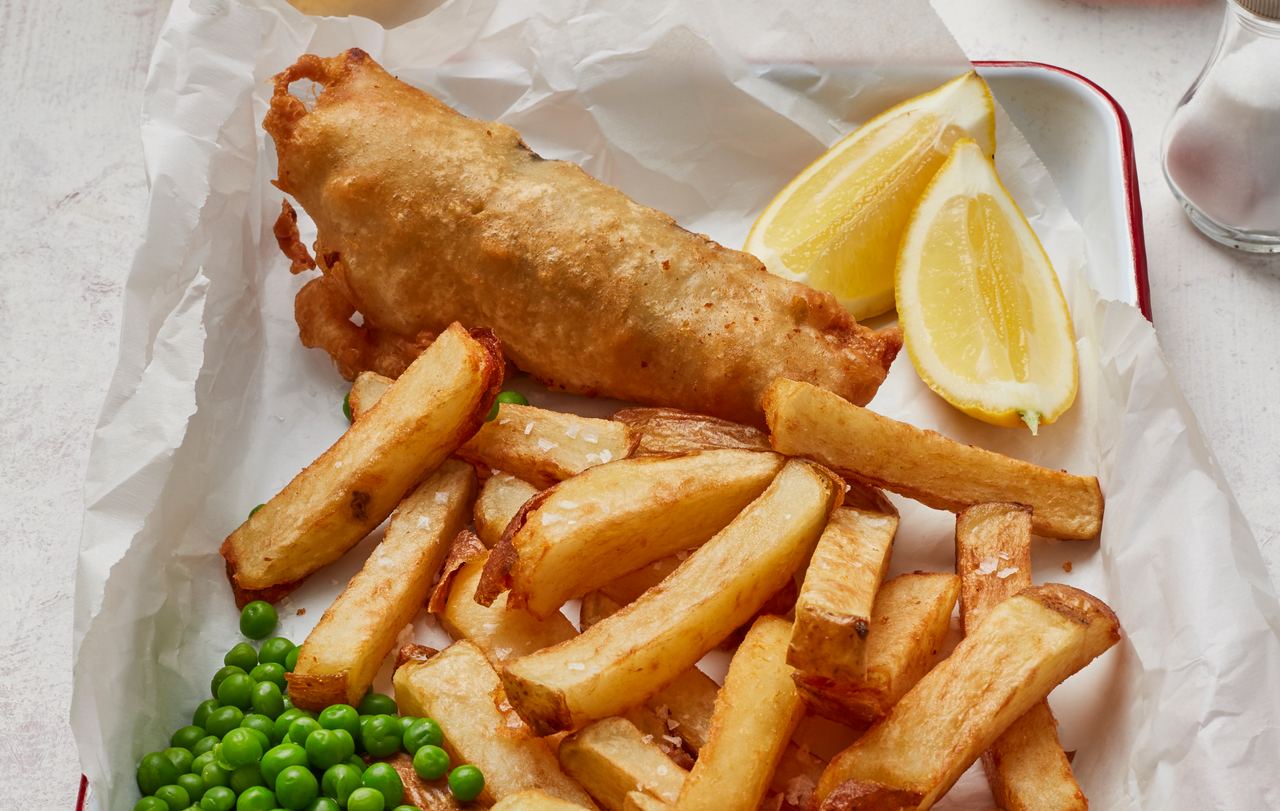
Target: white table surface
72,197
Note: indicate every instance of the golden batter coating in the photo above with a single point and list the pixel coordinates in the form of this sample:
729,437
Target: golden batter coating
426,217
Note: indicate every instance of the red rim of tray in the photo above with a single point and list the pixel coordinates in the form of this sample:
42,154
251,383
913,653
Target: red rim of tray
1133,203
1133,210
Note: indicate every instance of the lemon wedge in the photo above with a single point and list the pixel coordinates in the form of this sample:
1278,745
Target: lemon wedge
838,224
983,315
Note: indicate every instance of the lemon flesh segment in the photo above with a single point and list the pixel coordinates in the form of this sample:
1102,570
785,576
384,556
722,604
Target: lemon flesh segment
984,319
838,224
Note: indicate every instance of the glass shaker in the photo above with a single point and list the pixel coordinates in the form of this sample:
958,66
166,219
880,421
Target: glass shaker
1221,150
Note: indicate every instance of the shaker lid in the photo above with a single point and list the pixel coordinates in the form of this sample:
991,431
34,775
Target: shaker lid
1263,8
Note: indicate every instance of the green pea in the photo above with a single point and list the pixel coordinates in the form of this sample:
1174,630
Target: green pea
356,762
505,397
272,672
267,699
218,798
406,722
151,804
324,804
341,716
291,661
384,778
424,731
324,748
348,743
187,737
240,747
261,723
221,676
236,690
205,745
155,771
301,728
406,808
381,736
280,758
339,781
346,408
288,704
194,784
214,775
174,796
245,778
296,787
466,783
181,758
201,761
258,619
283,721
242,656
276,649
366,799
220,760
430,762
258,798
207,706
377,704
223,720
255,509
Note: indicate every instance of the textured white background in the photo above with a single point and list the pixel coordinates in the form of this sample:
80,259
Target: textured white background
72,194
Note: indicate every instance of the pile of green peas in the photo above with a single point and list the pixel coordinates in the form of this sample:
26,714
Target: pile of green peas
249,749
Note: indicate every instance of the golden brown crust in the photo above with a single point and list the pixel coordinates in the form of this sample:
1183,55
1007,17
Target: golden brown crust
866,795
244,596
466,547
425,217
290,241
315,691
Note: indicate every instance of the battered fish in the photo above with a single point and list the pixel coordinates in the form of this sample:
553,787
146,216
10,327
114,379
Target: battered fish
427,217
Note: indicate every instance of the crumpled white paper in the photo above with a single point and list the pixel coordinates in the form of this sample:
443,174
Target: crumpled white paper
704,113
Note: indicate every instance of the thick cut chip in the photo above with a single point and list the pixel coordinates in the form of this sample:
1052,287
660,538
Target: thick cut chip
366,390
685,706
435,406
624,659
1023,649
533,800
459,690
757,710
924,465
544,447
639,801
611,757
1026,767
833,612
343,652
909,621
669,430
613,519
500,500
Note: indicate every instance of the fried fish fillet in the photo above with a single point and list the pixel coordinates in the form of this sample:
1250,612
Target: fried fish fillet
426,217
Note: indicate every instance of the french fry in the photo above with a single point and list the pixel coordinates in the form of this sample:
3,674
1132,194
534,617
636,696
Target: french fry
805,420
685,706
757,710
427,795
439,401
909,621
833,611
544,447
612,519
797,773
1026,767
533,800
500,499
504,633
342,654
366,390
459,690
625,659
1022,650
669,430
627,588
639,801
611,757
